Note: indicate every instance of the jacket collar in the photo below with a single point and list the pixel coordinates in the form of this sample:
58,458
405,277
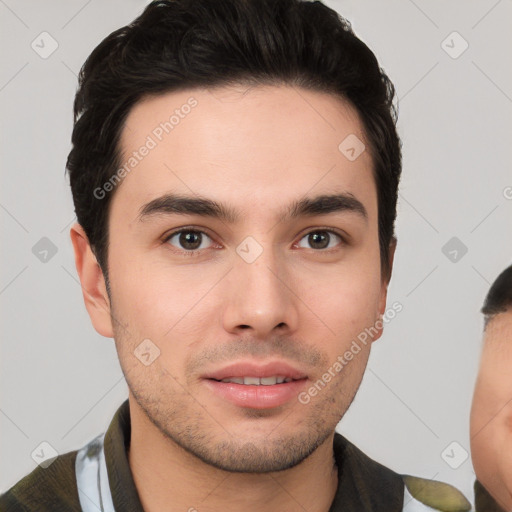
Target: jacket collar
484,502
363,484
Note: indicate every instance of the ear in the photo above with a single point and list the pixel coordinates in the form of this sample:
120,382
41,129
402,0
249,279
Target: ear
384,288
94,289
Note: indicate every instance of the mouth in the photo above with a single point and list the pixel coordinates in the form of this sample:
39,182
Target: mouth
258,381
254,386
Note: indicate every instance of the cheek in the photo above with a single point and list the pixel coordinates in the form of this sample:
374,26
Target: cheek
482,455
506,475
485,420
154,297
347,297
491,431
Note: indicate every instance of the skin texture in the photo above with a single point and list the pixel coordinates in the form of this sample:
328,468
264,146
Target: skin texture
255,150
491,412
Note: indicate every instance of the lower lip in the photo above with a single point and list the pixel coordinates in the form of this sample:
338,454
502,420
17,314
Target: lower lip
257,397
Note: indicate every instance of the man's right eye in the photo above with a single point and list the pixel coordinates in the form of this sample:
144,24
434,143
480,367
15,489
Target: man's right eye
189,241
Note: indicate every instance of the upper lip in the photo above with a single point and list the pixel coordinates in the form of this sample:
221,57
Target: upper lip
251,369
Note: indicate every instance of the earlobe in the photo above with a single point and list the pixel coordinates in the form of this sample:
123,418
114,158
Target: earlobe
92,281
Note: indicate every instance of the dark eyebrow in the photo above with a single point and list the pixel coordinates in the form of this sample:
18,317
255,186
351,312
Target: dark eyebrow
325,204
204,207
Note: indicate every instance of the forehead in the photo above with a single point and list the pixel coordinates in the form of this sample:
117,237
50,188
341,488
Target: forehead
251,143
499,330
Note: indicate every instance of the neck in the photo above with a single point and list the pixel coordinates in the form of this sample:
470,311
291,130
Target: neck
171,479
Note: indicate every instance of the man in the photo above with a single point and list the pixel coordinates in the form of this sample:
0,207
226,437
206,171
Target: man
491,411
234,171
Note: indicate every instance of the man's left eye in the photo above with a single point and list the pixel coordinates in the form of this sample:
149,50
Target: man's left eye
321,239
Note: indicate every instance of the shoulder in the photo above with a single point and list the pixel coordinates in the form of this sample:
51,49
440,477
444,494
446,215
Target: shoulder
376,487
430,494
45,489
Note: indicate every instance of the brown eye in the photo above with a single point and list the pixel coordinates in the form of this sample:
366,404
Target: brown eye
321,239
188,239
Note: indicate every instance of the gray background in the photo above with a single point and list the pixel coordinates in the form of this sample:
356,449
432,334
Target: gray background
60,380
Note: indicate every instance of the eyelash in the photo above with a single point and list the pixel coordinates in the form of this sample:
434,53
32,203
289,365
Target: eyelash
197,252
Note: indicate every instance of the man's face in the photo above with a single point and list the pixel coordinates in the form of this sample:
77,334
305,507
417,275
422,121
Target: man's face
278,295
491,412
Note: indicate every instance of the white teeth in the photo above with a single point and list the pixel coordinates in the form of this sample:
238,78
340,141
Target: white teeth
236,380
256,381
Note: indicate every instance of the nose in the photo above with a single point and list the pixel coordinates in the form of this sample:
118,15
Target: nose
260,297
